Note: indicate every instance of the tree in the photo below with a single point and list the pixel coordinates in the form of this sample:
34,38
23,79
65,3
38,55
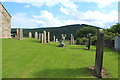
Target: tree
83,32
115,29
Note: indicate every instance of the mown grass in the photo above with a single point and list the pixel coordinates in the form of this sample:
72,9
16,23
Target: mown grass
30,59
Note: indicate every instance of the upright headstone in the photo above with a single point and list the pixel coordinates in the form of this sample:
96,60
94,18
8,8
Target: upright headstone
17,31
117,43
39,36
72,41
89,41
30,35
36,35
99,53
20,34
48,37
44,36
56,40
53,38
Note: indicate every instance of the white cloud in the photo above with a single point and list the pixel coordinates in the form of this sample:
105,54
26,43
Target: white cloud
96,18
47,19
27,6
21,20
66,3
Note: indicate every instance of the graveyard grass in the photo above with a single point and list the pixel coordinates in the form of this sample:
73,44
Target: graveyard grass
29,59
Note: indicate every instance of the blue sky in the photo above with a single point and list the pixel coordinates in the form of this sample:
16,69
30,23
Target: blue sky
55,13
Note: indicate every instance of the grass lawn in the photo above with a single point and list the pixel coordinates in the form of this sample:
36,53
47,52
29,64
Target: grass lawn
30,59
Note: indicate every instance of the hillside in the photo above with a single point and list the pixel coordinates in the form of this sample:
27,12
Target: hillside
57,31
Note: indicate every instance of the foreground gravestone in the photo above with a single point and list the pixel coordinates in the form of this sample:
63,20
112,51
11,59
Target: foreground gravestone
30,35
72,41
20,34
36,35
99,53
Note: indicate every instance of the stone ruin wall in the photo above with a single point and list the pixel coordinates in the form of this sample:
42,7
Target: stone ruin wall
5,23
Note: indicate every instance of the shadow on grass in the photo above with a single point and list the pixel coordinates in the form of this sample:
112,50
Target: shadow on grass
63,73
84,49
35,41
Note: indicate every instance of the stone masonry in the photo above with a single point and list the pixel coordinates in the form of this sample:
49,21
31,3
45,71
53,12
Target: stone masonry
5,22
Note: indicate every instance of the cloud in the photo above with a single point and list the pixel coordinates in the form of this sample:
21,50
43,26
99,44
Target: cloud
21,20
66,3
96,18
47,19
27,6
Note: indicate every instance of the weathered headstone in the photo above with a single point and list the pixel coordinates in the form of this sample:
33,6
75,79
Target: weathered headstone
56,40
53,38
20,34
72,41
62,40
44,37
99,53
89,41
48,37
30,35
117,43
17,31
36,35
39,36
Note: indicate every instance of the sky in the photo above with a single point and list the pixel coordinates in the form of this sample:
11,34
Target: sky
55,13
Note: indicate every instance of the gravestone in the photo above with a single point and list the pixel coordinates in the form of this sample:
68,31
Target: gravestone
117,43
88,41
99,53
72,41
36,35
39,36
17,31
62,40
44,36
56,40
53,38
30,35
20,34
48,37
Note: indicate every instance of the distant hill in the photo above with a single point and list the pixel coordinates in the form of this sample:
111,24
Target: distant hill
56,31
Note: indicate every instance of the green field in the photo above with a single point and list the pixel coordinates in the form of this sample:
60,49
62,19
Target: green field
30,59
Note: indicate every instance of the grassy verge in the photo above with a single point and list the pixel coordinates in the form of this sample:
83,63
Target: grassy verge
30,59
